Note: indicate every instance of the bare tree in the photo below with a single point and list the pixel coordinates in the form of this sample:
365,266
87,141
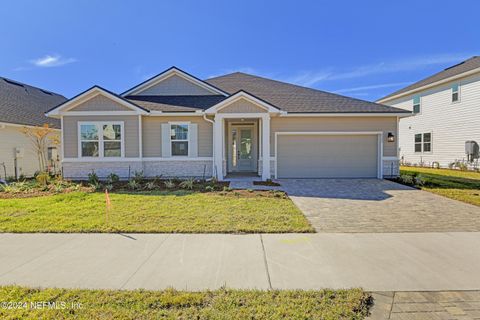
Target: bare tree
41,138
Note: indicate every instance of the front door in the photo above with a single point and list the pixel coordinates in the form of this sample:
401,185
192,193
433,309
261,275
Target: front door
242,148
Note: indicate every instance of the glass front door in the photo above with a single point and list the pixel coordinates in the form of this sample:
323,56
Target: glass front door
241,149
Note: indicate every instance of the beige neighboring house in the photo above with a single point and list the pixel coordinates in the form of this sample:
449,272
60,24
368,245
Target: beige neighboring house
176,125
23,106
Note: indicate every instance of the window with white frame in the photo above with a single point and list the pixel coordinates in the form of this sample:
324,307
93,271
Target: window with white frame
416,104
179,139
423,142
101,139
455,93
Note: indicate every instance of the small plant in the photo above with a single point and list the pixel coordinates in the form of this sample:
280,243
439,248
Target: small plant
406,179
113,178
138,177
133,184
150,185
419,181
42,179
187,184
209,188
227,189
93,179
109,187
169,184
250,190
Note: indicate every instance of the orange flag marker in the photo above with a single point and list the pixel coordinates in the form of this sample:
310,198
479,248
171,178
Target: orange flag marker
108,204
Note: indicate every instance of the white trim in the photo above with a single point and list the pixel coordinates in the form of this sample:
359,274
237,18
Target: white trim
100,140
354,114
98,113
337,133
431,85
238,96
62,147
145,159
167,74
140,137
88,95
176,114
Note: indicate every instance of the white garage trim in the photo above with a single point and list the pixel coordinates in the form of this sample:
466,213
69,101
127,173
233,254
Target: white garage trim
379,135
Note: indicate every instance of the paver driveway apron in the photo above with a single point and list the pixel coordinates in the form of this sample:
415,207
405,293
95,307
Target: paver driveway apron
372,205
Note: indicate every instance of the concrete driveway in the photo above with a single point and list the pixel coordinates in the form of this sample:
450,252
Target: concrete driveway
372,205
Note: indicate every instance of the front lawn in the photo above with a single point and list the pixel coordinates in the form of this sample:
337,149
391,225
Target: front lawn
171,304
155,211
455,184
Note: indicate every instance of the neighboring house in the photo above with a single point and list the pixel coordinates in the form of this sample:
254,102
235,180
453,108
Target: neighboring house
177,125
446,109
23,106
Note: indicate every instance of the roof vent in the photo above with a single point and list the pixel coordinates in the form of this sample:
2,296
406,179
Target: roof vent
13,82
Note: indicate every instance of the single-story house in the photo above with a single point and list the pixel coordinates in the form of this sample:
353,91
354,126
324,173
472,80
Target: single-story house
22,107
176,125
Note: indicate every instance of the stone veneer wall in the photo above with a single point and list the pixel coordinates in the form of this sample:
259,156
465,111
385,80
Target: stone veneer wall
391,168
126,169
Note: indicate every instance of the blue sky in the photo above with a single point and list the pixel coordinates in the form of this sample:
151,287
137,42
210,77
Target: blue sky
365,49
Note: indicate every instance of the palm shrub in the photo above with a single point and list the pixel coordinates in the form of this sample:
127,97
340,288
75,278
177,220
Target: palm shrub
169,184
187,184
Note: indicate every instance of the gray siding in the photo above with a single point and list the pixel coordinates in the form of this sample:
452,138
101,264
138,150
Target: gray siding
100,103
340,124
70,128
175,85
152,135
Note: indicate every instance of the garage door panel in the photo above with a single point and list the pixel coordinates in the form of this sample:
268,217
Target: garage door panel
327,156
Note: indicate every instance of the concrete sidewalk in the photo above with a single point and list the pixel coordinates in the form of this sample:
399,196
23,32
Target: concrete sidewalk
375,262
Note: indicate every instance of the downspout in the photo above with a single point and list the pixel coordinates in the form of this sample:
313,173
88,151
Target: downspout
214,172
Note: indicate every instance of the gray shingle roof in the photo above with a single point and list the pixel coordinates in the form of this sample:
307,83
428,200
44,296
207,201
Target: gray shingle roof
175,103
296,99
464,66
26,105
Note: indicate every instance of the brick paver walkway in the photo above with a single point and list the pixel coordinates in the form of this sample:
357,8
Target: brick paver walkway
371,205
426,305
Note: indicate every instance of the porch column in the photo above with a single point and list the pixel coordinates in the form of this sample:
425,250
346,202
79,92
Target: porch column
218,147
266,147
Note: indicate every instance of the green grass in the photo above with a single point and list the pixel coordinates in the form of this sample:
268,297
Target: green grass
455,184
176,211
171,304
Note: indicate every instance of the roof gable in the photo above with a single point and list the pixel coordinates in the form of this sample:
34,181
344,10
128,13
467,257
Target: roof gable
100,94
173,82
250,104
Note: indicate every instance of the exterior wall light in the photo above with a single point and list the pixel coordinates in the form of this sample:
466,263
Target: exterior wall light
390,137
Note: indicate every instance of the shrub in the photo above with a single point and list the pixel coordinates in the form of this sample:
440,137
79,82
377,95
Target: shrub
150,185
109,187
93,179
138,177
133,184
187,184
169,184
419,180
113,178
209,188
406,179
227,189
42,179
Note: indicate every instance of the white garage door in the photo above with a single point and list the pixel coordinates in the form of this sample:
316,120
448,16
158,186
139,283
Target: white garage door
327,156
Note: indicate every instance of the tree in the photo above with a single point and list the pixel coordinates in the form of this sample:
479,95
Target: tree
41,138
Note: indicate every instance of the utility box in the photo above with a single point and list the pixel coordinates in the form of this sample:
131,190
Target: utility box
471,150
19,153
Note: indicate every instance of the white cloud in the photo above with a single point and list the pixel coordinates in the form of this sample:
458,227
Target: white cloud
372,87
55,60
310,78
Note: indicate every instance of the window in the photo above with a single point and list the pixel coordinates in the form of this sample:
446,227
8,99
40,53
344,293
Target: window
423,142
455,93
179,139
101,139
416,104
